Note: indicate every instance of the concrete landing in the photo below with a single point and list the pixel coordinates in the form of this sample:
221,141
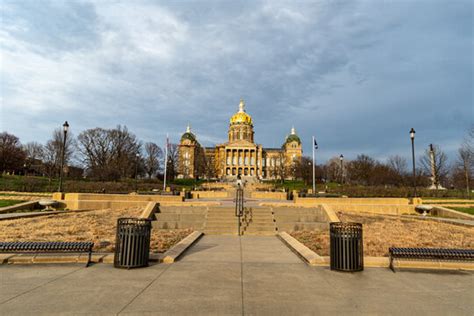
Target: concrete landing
230,275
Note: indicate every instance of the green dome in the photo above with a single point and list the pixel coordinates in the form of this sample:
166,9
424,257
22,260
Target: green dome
188,135
293,138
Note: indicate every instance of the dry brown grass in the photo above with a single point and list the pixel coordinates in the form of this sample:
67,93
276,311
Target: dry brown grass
97,226
381,232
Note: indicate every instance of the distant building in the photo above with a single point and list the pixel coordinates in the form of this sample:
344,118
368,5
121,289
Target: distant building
240,155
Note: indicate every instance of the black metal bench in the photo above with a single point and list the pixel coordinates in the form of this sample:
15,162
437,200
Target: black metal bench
430,253
47,247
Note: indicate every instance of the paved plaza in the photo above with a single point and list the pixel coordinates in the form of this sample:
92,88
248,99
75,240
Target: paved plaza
228,275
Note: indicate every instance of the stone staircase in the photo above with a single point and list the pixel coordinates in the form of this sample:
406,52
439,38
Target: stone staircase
221,221
259,222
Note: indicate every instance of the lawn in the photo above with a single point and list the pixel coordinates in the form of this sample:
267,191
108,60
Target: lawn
381,232
5,203
97,226
468,210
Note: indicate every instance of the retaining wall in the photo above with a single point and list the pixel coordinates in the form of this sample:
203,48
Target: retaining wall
209,194
268,195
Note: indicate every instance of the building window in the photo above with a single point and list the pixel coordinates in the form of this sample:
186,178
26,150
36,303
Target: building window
246,161
240,160
228,160
263,162
252,161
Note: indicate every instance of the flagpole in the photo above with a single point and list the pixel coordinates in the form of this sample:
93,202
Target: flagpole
166,163
314,177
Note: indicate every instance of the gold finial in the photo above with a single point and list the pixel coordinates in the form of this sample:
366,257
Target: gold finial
241,105
293,132
188,128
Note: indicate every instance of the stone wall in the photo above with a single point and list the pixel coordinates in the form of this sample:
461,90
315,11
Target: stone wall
209,194
77,201
268,195
365,201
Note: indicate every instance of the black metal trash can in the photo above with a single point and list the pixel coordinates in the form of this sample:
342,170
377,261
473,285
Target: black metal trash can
132,243
346,247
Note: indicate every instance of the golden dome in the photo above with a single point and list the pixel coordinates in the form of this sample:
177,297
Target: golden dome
241,116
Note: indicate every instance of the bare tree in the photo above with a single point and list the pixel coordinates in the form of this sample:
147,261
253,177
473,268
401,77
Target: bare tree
466,162
398,164
12,156
34,154
333,169
304,170
172,161
281,170
109,154
51,154
360,170
153,154
439,169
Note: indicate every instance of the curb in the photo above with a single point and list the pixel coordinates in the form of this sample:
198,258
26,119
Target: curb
308,256
313,259
177,250
169,256
40,213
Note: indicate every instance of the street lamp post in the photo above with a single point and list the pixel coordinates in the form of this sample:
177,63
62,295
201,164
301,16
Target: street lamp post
63,154
341,159
412,136
136,172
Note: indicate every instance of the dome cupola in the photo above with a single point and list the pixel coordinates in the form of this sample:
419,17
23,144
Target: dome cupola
293,137
241,117
188,135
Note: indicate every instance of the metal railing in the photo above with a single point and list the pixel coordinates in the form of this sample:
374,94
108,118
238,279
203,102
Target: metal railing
239,207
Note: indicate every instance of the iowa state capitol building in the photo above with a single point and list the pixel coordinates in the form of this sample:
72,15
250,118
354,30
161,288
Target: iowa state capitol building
240,155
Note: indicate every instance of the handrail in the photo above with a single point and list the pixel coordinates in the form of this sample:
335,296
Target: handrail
239,207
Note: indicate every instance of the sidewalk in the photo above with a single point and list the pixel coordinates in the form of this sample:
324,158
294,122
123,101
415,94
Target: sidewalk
233,276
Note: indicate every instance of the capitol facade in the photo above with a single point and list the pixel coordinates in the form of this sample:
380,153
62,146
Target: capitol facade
240,155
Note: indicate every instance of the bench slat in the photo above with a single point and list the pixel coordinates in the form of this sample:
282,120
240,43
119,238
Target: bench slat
46,246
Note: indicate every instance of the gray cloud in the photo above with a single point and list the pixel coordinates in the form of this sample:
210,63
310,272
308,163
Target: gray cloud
358,75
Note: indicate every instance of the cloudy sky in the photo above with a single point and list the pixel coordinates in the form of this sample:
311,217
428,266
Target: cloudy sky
357,75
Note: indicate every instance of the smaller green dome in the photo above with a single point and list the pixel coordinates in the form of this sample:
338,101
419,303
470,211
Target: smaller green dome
189,136
293,137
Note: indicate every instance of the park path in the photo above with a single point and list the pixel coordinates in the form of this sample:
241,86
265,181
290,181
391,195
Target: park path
231,275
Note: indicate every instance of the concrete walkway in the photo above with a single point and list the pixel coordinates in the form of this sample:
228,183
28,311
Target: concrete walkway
232,276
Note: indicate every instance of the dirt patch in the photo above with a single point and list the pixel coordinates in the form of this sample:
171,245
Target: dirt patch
97,226
381,232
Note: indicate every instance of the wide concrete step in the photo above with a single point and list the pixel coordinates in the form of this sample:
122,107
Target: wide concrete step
295,226
262,216
263,233
260,223
220,232
177,225
261,227
222,220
